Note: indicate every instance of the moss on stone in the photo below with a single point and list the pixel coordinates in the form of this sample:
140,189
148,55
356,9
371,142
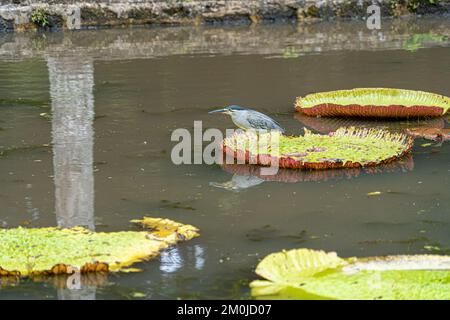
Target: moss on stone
97,16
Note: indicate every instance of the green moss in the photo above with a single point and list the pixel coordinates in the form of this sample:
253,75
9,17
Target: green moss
98,15
413,5
141,14
417,41
312,11
377,97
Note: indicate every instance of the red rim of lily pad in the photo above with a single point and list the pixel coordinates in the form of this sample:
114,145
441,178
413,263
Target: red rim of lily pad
294,176
374,102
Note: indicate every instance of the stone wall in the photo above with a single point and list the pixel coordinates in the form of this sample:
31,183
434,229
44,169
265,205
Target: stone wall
72,14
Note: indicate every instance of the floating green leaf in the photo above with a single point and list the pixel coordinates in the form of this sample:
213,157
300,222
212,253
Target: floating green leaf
37,251
310,274
347,147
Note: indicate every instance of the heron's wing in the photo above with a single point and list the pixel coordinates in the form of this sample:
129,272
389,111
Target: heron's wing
261,121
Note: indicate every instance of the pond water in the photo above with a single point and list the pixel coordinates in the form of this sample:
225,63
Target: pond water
85,126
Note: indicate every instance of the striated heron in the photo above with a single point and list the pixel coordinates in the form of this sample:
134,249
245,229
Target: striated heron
248,119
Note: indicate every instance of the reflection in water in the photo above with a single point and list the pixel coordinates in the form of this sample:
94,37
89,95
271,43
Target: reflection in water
31,210
243,172
171,260
329,124
174,259
238,182
286,41
71,89
199,257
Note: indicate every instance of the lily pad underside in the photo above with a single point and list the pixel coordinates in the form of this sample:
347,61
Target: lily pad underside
374,102
52,251
344,148
311,274
430,133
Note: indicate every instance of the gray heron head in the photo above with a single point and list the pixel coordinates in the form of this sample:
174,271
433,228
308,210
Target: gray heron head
228,110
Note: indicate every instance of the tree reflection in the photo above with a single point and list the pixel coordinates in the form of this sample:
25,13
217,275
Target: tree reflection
71,90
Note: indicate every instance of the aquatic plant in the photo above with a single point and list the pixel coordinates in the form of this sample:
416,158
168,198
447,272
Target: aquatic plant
40,18
53,251
345,148
374,102
312,274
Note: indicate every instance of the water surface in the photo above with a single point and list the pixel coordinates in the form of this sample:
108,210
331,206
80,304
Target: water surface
85,126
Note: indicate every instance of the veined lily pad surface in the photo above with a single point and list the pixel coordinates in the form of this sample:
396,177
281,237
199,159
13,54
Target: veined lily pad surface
374,102
38,251
346,147
311,274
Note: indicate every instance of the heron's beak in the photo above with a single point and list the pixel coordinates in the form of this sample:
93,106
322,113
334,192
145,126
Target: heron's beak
218,111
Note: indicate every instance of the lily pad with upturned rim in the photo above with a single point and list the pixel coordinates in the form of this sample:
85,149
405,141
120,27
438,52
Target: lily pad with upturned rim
374,102
345,148
312,274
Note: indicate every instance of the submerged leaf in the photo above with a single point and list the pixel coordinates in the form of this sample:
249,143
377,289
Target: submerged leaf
309,274
34,251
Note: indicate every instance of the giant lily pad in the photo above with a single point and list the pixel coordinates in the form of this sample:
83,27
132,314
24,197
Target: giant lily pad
311,274
345,148
373,102
50,251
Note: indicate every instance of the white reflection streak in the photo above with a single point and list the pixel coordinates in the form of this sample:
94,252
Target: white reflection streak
171,260
199,257
71,90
